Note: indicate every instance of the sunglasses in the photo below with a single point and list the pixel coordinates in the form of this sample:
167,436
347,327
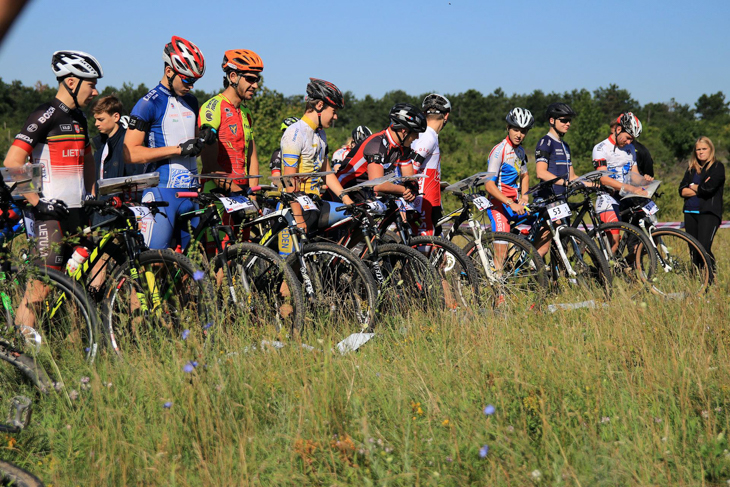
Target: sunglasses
564,120
251,79
188,81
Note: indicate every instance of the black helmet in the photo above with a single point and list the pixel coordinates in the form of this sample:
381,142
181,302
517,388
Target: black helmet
435,103
407,116
319,89
361,133
559,110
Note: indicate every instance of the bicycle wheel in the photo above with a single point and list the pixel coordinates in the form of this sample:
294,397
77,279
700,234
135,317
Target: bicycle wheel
14,476
343,291
264,289
157,301
631,258
584,271
458,273
510,270
55,306
683,266
406,280
29,366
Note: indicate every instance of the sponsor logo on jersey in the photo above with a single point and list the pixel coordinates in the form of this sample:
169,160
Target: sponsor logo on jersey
234,128
73,152
228,111
209,116
213,104
77,128
24,137
179,178
32,128
44,118
66,127
63,107
187,114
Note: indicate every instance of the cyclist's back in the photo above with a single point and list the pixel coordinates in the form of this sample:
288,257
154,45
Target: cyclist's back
380,148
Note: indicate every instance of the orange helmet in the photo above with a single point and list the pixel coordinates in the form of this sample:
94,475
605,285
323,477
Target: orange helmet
242,60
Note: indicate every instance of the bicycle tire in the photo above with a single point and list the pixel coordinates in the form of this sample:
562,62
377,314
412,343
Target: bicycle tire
68,322
184,294
12,475
588,271
520,276
408,279
28,366
456,269
666,281
276,294
634,261
342,285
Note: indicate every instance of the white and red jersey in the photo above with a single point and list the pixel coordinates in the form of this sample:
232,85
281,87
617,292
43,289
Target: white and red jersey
340,154
617,160
427,160
509,163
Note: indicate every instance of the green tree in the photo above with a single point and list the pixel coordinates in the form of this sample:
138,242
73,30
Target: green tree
586,132
712,107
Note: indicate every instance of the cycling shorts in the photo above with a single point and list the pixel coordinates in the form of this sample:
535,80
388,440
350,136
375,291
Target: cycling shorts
166,228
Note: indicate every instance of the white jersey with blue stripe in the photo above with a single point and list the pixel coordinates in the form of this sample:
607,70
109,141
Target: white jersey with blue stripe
617,160
171,120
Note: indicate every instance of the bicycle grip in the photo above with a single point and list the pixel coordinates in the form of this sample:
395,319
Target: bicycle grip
186,194
342,208
252,189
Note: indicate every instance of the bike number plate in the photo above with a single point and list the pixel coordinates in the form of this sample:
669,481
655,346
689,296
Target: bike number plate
306,203
650,208
140,212
558,211
482,203
236,203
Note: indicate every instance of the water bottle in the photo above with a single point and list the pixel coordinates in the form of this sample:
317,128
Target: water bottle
77,259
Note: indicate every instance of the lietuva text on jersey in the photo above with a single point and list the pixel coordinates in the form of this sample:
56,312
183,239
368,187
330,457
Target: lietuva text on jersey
379,148
56,138
168,121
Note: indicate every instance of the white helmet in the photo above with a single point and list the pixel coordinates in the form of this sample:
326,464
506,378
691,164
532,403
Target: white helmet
520,118
75,63
435,103
630,123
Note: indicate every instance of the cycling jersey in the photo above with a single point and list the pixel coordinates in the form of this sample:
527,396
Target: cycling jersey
235,133
340,154
427,160
556,153
509,163
56,137
304,147
618,161
168,120
379,148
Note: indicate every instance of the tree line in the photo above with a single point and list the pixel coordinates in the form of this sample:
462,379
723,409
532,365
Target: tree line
476,124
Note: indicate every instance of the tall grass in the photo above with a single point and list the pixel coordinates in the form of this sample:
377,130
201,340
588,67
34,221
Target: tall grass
632,394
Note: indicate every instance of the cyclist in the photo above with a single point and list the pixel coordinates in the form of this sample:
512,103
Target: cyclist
341,153
227,119
304,149
386,151
617,155
552,154
55,135
275,161
162,134
427,160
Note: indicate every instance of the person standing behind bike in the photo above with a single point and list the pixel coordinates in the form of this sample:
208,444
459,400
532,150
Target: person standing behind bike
552,154
304,150
55,135
162,134
225,118
427,160
616,154
702,190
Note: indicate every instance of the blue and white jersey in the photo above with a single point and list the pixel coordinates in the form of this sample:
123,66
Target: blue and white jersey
169,121
556,154
617,160
510,163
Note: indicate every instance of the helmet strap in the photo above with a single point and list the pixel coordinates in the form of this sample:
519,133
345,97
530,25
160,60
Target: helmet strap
74,92
402,139
319,114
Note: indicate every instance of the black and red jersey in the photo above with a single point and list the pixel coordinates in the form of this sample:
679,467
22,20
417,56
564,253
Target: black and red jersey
379,148
56,137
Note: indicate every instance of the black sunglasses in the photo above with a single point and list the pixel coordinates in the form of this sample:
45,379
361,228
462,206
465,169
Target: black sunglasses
188,81
251,79
565,120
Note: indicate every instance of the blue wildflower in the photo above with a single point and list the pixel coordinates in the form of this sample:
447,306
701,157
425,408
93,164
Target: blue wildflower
167,405
185,334
198,275
207,325
483,451
489,410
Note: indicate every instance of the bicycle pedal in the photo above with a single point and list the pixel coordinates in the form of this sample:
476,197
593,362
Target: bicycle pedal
20,411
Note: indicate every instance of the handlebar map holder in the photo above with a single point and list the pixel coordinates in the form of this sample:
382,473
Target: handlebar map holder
293,180
128,185
469,184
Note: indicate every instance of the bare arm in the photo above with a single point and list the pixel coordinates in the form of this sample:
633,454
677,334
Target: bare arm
16,157
253,160
376,171
136,153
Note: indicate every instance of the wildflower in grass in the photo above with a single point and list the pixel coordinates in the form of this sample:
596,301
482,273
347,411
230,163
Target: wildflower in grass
449,459
489,410
85,380
536,475
445,422
605,419
510,428
185,334
483,451
198,275
190,366
73,395
167,405
705,414
207,325
657,420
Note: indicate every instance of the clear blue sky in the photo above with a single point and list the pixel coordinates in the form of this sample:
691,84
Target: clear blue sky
660,50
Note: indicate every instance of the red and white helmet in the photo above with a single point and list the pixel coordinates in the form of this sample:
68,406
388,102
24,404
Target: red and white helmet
184,57
630,123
